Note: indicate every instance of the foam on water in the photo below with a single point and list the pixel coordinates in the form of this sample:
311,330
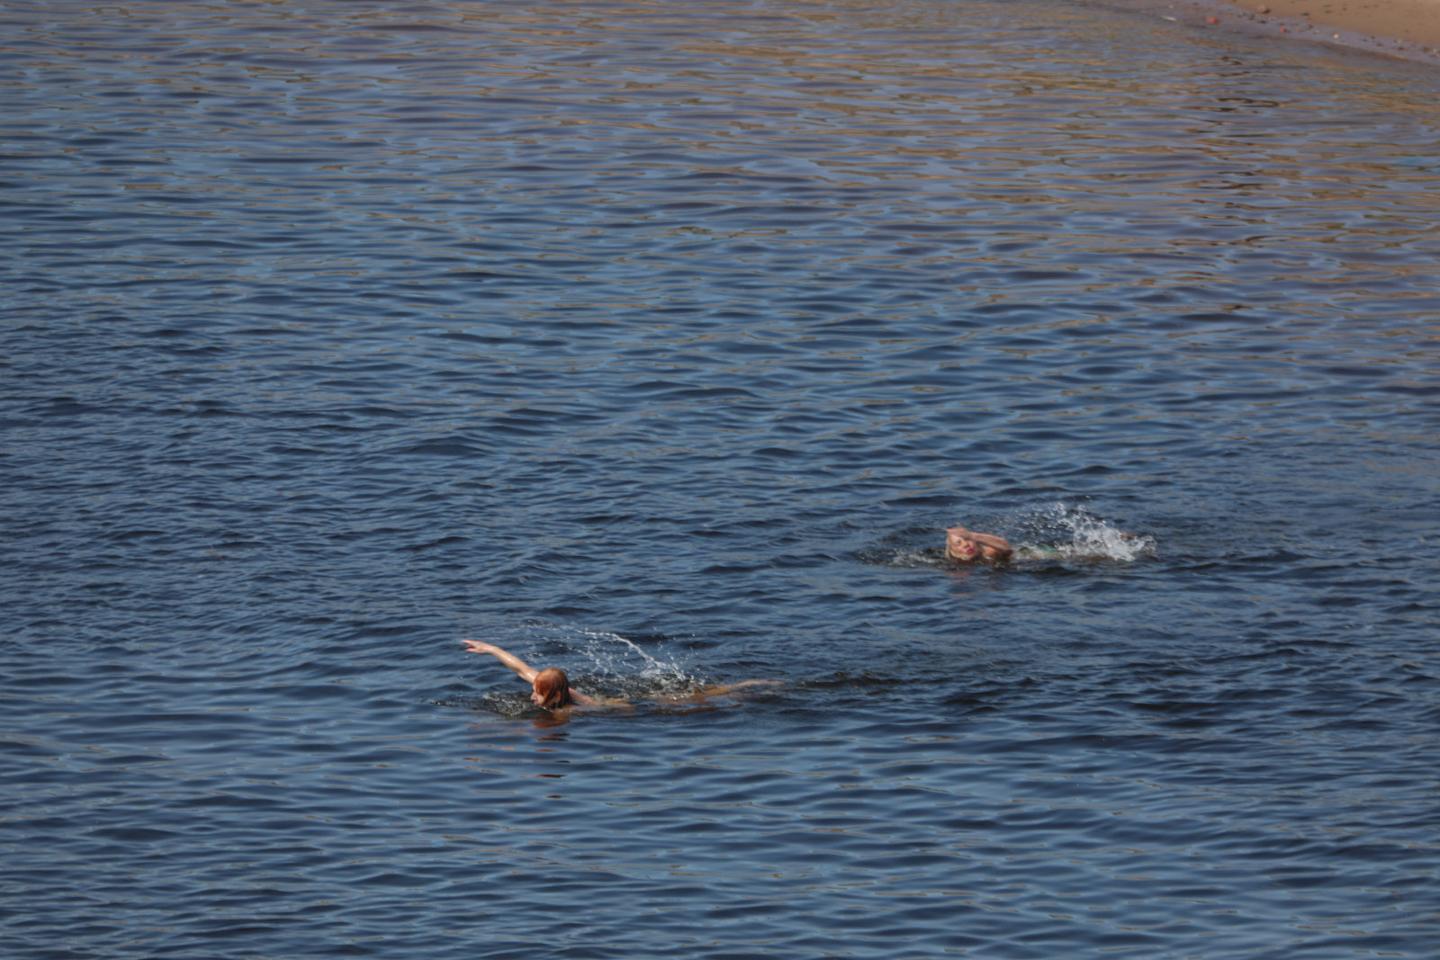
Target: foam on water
1069,532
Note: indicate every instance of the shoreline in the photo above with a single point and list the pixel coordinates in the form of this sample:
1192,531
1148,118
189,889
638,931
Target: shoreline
1401,29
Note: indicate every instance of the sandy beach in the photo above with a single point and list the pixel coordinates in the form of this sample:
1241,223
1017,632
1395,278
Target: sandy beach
1409,29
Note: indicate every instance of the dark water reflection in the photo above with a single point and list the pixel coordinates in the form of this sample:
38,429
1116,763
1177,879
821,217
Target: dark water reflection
662,341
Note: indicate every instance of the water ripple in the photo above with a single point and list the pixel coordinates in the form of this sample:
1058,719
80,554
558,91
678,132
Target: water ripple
663,342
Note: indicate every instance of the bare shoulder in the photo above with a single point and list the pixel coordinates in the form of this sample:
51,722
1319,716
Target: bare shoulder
597,703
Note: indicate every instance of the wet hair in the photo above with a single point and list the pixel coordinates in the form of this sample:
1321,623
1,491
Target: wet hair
553,687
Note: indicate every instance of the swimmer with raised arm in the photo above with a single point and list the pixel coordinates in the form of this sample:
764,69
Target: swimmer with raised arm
550,688
968,546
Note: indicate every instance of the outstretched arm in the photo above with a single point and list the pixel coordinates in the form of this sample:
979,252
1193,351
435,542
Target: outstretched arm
526,672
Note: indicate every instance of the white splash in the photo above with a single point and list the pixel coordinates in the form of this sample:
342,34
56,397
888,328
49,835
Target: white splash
1065,532
624,664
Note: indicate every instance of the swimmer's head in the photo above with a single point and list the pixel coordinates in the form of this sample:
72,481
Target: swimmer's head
959,546
550,689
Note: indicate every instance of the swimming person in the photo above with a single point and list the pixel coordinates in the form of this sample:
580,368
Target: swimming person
550,688
967,546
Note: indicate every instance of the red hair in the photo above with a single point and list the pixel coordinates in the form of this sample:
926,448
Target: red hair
553,687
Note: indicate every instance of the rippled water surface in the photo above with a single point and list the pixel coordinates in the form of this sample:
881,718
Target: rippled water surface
661,341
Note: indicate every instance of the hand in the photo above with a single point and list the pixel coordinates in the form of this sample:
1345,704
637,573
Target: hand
479,646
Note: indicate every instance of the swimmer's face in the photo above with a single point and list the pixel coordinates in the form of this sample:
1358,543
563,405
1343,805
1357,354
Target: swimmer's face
549,699
960,547
550,688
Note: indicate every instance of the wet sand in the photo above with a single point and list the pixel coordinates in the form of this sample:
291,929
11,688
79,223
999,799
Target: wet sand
1409,29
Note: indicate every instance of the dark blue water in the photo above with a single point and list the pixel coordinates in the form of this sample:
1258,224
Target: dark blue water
660,342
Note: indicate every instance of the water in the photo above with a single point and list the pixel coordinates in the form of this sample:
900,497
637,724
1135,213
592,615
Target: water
661,342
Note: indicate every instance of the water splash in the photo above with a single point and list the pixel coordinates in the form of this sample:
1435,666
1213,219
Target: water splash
615,658
1061,531
1057,531
599,662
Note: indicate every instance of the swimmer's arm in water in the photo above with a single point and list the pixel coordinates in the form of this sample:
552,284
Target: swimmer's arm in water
721,689
525,671
996,548
718,690
585,700
992,547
